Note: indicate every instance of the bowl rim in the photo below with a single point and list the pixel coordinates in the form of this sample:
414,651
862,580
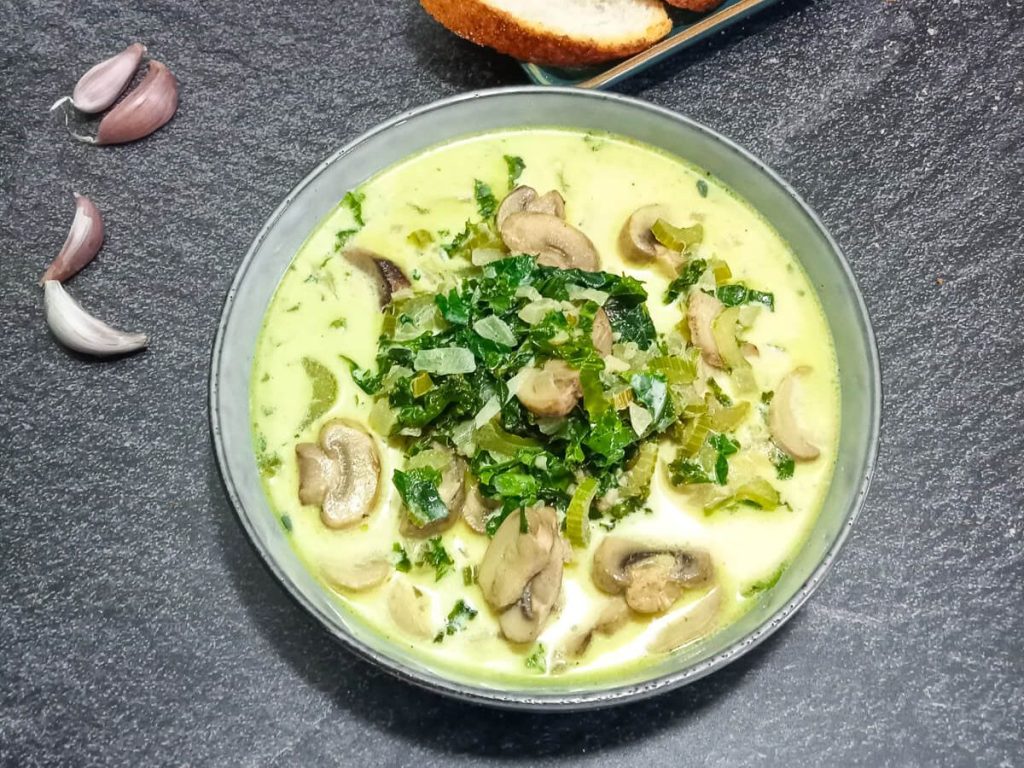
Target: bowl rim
598,697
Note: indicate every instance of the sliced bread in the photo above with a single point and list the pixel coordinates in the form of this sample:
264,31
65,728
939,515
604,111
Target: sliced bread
562,33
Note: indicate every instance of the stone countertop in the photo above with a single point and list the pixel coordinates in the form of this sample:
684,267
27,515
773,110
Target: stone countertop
137,626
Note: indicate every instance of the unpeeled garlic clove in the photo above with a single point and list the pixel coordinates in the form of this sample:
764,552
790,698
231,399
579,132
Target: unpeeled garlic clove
78,330
98,88
82,243
142,111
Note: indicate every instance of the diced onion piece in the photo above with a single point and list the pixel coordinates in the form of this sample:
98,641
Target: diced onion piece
463,437
445,361
577,516
638,478
578,293
536,311
489,410
516,381
382,419
639,418
677,238
421,384
493,328
483,256
528,292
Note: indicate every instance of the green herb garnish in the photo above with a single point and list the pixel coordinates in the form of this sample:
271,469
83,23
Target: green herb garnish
458,618
486,203
515,166
434,554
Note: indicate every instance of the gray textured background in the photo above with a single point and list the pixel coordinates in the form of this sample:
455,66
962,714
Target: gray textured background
137,626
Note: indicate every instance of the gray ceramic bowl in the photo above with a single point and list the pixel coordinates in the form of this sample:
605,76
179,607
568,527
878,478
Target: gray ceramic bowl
442,121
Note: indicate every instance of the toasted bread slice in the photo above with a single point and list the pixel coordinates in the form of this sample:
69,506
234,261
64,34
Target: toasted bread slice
562,33
697,6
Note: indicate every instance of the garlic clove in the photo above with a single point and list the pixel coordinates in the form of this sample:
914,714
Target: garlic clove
98,88
82,243
78,330
142,111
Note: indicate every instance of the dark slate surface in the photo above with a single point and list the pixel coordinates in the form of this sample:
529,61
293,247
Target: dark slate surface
138,628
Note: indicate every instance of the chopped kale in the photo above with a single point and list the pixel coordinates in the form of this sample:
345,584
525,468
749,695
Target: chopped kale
735,294
687,279
342,236
367,381
418,489
286,522
702,188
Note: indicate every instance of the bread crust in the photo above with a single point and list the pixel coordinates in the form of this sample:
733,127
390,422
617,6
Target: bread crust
697,6
483,24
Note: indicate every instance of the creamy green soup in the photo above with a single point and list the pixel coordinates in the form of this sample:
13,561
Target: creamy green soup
553,435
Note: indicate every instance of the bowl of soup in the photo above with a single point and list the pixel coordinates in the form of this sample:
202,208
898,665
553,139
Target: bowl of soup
545,398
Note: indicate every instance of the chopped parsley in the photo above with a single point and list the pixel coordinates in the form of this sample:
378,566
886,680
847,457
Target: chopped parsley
433,553
537,660
459,616
784,464
353,200
486,203
401,558
515,166
702,188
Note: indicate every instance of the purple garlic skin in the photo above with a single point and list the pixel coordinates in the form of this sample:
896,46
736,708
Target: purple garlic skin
143,110
82,243
100,86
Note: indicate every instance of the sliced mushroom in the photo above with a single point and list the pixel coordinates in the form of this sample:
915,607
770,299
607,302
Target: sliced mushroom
638,244
782,420
341,474
701,311
601,333
651,577
551,390
551,240
355,576
526,199
522,622
691,623
610,620
452,492
477,507
411,608
386,276
521,573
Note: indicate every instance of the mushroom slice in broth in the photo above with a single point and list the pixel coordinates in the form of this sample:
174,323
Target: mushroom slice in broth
652,577
554,242
521,572
340,474
526,199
